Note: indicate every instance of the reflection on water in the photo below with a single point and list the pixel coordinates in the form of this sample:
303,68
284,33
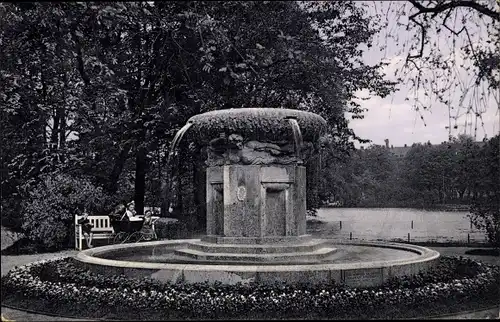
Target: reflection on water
394,224
343,254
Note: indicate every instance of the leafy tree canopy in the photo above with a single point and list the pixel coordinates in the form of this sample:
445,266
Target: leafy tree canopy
100,88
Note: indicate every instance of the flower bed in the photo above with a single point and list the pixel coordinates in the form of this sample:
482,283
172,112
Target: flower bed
62,287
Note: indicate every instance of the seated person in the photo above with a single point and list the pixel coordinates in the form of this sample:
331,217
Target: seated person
130,212
86,228
147,227
118,212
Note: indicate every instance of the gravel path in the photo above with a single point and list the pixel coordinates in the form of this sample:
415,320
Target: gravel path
16,315
8,237
9,262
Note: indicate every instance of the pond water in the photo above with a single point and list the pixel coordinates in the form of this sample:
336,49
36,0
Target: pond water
394,224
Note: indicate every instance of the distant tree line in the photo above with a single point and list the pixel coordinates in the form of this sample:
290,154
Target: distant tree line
456,172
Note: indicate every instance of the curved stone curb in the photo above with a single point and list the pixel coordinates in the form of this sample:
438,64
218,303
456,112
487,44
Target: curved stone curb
359,274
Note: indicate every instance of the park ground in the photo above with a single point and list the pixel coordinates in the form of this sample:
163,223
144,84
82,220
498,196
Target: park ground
11,261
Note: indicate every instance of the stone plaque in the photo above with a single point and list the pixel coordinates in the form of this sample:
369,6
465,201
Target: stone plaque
362,277
275,213
241,193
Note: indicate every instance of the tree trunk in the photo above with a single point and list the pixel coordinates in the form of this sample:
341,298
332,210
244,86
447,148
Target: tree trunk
167,185
165,201
62,135
112,186
312,175
461,194
199,190
140,179
55,130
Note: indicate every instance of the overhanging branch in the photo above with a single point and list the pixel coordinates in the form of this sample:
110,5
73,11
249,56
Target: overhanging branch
422,40
456,33
455,4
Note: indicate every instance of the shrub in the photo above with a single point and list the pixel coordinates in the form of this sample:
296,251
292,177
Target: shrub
168,229
48,214
483,252
485,208
11,208
485,215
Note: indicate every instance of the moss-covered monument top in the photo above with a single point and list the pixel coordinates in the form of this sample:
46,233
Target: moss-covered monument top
260,124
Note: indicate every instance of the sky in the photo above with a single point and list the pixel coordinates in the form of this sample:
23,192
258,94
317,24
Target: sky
395,118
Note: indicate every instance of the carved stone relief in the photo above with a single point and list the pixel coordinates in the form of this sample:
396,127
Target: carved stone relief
235,150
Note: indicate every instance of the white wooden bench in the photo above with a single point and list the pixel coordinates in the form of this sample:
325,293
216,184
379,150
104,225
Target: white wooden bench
102,229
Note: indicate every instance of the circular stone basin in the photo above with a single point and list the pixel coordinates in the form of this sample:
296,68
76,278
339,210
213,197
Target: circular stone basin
359,264
256,124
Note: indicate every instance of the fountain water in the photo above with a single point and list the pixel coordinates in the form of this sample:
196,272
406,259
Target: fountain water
297,136
177,139
167,189
256,214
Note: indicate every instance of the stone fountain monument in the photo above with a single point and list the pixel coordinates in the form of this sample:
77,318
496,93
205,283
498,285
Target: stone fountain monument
256,214
256,185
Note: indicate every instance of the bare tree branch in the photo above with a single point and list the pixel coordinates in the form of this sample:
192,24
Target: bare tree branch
456,33
455,4
422,40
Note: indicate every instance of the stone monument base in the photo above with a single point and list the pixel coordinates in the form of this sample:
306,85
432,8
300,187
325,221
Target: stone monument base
257,249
